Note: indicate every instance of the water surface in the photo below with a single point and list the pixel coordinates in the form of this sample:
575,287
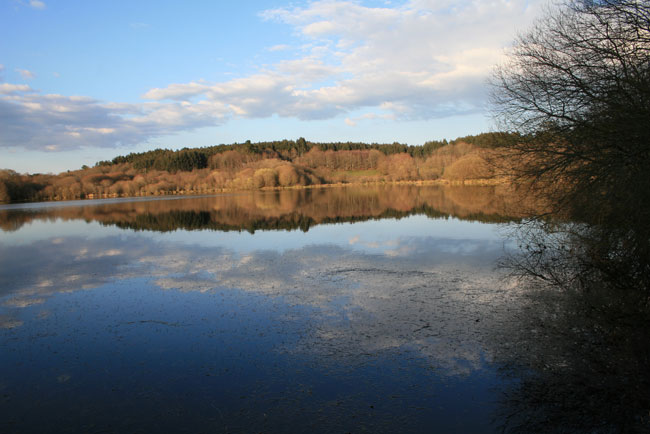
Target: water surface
373,309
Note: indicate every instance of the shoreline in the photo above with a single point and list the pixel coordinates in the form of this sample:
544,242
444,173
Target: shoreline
432,182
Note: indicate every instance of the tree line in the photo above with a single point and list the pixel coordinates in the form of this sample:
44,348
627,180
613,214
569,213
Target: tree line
247,166
188,159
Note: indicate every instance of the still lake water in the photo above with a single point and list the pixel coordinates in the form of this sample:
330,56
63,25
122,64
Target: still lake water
373,309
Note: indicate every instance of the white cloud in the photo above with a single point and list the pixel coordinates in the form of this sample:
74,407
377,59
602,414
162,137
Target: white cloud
424,59
37,121
7,88
429,57
279,47
36,4
177,91
26,74
374,116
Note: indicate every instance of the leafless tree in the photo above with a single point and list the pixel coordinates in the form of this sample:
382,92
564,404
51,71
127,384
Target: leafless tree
577,88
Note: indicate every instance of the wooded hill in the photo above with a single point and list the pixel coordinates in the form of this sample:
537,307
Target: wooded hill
247,166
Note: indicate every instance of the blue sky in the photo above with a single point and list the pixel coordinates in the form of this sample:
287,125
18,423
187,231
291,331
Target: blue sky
86,81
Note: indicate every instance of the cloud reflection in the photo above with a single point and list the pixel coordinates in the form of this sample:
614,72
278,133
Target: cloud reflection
434,297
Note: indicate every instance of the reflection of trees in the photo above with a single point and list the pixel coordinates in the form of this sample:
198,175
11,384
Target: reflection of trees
12,220
588,358
288,209
576,88
583,362
582,342
580,256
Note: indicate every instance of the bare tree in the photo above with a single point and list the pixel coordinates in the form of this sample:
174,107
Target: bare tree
577,88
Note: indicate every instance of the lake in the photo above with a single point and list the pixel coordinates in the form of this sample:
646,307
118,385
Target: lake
374,309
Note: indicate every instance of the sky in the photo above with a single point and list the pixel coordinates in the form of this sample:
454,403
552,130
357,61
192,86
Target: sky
86,81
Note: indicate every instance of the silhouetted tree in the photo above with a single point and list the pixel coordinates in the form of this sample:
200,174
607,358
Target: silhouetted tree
577,89
578,86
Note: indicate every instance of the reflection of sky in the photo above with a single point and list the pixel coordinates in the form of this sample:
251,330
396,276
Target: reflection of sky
406,292
37,230
379,232
374,236
46,258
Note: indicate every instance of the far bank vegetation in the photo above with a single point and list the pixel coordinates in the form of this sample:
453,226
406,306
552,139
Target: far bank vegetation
250,166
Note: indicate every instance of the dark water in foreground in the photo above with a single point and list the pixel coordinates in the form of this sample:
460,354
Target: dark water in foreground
335,310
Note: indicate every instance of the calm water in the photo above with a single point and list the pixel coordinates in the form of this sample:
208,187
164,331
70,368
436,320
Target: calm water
331,310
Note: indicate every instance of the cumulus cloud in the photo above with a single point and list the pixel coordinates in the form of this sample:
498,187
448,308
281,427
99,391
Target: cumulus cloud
8,88
50,122
283,90
353,121
423,59
36,4
279,47
26,74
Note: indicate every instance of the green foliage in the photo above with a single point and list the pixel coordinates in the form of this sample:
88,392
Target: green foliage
490,140
427,149
184,160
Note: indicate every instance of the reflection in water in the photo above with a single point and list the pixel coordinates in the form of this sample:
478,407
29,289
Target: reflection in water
583,360
383,298
394,325
585,328
285,209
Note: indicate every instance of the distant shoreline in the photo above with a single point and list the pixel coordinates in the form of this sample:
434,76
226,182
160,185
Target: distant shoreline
216,191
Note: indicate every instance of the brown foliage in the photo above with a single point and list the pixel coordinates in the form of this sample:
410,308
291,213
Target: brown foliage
244,171
231,160
470,166
399,167
341,160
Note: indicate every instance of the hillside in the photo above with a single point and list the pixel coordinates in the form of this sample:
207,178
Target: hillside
249,166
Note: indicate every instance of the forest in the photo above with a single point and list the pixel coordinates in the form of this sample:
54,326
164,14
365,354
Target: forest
251,166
